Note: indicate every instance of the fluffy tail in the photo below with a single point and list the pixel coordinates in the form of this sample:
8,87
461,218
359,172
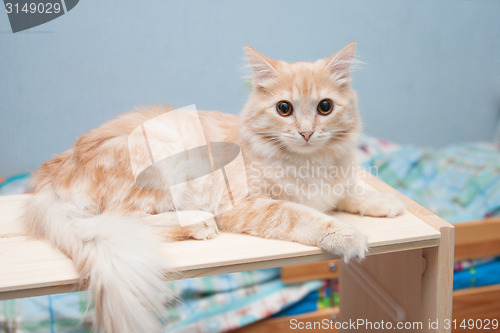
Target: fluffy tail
118,258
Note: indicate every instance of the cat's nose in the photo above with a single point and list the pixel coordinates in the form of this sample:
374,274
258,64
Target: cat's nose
306,135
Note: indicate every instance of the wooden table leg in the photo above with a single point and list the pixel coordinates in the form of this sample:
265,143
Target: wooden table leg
437,291
409,288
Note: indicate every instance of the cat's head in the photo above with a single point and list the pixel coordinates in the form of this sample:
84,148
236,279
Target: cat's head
301,108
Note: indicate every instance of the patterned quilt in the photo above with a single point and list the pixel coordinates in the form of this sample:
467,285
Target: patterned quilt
459,183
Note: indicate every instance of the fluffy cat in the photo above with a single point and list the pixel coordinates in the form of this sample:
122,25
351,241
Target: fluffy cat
86,201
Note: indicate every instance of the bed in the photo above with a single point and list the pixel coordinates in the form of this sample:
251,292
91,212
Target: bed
268,298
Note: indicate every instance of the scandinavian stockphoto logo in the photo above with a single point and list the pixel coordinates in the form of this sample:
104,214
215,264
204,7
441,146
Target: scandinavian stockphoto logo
170,152
26,14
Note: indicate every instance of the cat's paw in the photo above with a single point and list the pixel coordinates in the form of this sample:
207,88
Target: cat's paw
204,230
345,241
382,205
201,230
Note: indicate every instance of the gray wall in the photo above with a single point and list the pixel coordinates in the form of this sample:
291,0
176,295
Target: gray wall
432,73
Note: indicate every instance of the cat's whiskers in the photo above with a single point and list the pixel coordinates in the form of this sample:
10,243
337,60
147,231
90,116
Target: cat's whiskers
338,133
271,138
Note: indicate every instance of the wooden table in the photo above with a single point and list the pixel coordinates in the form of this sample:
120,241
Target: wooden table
406,277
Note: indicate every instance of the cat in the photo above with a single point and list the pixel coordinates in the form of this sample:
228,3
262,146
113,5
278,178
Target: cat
299,116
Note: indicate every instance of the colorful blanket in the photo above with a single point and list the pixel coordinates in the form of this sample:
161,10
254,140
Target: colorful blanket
459,183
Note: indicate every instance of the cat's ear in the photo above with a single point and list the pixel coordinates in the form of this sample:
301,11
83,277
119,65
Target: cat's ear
339,65
262,66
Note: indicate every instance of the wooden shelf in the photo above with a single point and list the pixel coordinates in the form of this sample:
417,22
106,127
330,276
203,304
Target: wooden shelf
31,267
476,303
476,239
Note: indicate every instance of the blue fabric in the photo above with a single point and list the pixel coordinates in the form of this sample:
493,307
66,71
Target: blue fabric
476,276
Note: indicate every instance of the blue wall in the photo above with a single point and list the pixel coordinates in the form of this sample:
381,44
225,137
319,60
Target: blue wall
432,73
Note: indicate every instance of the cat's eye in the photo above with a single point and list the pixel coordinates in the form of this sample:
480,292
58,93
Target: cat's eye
325,107
284,108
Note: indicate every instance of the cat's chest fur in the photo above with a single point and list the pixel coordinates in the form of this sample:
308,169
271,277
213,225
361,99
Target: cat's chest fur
313,183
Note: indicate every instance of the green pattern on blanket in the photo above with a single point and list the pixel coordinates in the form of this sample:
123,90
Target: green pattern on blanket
459,182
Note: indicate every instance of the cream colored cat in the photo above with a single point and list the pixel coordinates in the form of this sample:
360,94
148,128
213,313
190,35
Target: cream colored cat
297,133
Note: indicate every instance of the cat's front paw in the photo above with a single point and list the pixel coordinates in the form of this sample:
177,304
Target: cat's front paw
382,205
345,241
377,204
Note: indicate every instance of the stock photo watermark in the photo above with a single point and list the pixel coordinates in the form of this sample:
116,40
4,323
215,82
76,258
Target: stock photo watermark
170,152
25,15
309,180
364,325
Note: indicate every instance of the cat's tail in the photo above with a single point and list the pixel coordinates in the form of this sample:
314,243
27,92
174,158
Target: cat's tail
118,259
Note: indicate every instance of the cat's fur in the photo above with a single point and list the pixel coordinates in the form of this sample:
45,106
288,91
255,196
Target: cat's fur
87,204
